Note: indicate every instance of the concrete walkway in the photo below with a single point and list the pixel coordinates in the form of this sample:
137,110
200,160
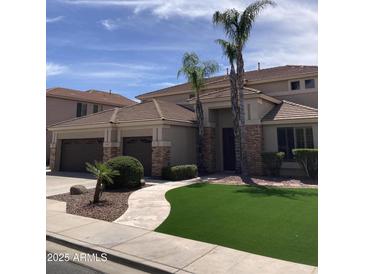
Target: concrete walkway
156,250
147,207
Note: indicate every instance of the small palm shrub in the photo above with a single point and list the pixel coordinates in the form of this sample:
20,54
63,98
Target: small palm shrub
182,172
103,175
130,172
272,162
308,160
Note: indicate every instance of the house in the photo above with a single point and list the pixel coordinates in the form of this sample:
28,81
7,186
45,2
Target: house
281,114
64,104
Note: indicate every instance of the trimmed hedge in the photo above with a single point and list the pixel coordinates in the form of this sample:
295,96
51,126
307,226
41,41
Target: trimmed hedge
182,172
308,159
272,162
130,172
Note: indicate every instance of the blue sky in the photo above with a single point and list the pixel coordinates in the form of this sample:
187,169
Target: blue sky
136,46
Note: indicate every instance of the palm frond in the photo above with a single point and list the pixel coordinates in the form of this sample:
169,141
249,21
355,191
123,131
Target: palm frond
229,50
249,15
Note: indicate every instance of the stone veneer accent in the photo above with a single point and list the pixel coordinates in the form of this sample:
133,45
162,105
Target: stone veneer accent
209,151
52,157
110,152
161,156
254,148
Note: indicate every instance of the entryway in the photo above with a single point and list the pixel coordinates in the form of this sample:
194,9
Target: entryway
229,160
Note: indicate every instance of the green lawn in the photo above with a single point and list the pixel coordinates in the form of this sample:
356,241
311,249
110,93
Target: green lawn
275,222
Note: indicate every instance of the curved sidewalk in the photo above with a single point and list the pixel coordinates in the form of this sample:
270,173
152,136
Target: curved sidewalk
148,208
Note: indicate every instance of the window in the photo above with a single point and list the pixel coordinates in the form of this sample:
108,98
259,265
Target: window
95,108
290,138
309,83
81,109
295,85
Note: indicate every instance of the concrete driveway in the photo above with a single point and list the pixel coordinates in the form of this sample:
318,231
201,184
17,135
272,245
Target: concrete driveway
60,182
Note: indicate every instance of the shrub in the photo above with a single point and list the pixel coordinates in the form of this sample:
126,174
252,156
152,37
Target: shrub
176,173
130,172
272,162
308,159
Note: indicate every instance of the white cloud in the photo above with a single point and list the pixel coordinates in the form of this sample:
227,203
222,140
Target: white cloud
109,24
54,19
55,69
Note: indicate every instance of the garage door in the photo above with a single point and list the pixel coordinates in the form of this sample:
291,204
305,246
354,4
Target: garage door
141,149
76,152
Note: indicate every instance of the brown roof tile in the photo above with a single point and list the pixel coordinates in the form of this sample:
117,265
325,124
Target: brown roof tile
254,75
224,92
152,110
289,110
93,96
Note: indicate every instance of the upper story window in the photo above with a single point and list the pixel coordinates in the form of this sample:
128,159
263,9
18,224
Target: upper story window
81,109
290,138
295,85
309,83
97,108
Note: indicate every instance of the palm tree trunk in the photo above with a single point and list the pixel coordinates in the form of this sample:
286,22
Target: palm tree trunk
97,191
236,117
200,121
240,86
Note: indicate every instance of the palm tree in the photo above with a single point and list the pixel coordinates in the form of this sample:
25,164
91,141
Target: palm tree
229,51
196,71
237,26
103,174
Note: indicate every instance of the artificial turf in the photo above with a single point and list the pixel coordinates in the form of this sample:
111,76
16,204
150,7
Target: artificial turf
275,222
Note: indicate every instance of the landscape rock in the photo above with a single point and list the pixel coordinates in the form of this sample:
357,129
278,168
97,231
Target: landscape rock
77,190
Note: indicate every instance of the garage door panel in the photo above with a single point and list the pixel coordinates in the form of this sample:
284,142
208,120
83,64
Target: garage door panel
141,149
76,152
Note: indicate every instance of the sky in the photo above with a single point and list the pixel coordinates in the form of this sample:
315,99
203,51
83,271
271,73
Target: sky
135,46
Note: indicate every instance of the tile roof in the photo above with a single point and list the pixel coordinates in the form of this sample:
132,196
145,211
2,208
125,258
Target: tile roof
152,110
224,92
254,75
93,96
289,110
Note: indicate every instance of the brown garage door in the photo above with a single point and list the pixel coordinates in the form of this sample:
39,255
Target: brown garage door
141,149
76,152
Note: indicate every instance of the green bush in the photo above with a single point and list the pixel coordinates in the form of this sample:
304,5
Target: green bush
272,162
130,172
176,173
308,159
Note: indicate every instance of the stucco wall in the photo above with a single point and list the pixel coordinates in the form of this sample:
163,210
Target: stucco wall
183,144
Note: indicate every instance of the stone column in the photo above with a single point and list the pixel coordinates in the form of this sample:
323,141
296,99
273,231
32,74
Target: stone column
54,152
254,147
111,145
209,150
161,156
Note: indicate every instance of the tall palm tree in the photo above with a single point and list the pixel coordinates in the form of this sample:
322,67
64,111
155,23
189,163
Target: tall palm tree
237,26
103,175
229,51
195,72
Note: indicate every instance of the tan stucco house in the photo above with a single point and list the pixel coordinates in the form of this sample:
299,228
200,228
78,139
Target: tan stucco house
63,104
281,114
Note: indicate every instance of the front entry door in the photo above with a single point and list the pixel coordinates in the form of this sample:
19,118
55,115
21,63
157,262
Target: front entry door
229,159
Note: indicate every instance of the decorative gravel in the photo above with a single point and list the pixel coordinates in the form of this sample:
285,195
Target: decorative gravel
112,205
264,181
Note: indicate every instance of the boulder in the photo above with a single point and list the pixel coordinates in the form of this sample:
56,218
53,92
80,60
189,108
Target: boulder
77,190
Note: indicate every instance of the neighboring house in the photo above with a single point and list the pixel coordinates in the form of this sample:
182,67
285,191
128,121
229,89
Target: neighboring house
281,114
63,104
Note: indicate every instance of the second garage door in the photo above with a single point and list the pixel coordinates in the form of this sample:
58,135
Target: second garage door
76,152
141,149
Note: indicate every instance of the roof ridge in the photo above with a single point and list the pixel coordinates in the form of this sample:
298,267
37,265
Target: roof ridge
299,105
114,115
158,108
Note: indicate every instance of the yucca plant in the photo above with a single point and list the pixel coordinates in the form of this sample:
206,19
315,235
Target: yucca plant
103,175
